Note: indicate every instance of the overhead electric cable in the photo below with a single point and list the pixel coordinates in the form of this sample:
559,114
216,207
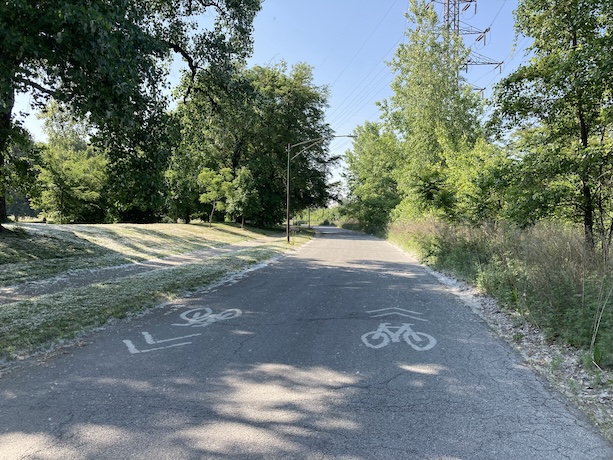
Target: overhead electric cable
365,77
363,44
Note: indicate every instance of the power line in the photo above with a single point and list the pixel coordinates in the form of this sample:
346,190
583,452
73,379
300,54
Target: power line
364,44
365,77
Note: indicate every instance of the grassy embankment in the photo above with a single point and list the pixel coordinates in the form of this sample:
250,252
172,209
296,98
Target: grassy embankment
40,252
543,275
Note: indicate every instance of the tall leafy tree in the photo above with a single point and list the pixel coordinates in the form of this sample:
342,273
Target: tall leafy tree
72,175
216,124
105,59
371,166
137,169
291,109
243,199
216,187
72,185
247,122
431,108
566,88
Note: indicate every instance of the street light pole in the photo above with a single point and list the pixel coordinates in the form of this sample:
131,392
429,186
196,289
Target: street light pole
289,148
311,143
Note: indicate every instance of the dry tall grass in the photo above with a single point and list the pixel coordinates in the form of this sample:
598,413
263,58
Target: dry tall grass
544,272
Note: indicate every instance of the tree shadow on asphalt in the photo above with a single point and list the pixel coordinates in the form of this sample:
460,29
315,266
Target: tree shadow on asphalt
292,377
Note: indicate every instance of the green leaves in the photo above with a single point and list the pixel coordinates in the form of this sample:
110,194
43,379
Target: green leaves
431,116
565,91
244,121
106,61
216,186
370,176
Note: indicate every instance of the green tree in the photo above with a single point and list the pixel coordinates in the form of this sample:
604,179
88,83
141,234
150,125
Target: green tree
217,187
72,183
106,60
182,189
477,180
137,182
243,199
247,122
72,173
431,109
18,177
566,88
216,120
370,176
291,109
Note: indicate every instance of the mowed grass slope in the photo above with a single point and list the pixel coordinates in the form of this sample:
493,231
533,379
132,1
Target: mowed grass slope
30,252
42,251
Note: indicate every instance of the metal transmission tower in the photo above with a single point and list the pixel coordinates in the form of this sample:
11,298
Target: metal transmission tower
452,10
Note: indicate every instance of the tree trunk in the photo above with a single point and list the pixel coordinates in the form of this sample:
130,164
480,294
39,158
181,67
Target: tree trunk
6,108
211,216
588,216
588,199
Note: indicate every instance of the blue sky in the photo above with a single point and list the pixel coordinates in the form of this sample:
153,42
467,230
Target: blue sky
348,43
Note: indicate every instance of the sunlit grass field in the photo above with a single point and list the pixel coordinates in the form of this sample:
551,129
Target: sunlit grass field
38,252
30,252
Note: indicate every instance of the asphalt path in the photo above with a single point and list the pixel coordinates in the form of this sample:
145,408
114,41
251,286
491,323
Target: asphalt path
346,349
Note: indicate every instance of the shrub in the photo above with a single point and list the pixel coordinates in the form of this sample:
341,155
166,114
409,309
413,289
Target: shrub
544,272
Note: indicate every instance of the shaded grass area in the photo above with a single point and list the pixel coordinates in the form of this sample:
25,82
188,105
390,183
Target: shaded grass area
31,252
36,324
543,274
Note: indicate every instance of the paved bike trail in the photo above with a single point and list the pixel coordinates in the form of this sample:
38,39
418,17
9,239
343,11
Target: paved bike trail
288,362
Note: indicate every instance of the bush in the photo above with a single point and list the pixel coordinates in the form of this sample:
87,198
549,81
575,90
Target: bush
545,273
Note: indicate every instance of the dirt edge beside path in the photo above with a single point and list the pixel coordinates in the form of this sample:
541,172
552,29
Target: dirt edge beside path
563,367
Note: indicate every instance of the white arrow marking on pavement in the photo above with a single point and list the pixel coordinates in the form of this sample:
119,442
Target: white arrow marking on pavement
396,311
149,338
132,349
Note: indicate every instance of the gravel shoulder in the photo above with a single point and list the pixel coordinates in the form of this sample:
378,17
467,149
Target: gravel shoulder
567,369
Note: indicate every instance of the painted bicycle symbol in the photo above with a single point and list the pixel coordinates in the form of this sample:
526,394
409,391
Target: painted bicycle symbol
202,317
380,338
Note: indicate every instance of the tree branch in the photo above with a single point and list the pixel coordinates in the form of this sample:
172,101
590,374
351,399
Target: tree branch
193,67
37,86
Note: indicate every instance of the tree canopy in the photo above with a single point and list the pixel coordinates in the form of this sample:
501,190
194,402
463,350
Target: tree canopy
106,60
565,92
246,125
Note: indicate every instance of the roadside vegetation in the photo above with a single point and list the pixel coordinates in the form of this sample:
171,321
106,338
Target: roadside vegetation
45,321
513,194
543,275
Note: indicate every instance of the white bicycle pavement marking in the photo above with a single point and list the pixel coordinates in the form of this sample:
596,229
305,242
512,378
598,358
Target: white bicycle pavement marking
204,316
385,333
196,317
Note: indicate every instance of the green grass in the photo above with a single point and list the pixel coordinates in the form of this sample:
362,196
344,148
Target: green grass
36,324
30,252
42,322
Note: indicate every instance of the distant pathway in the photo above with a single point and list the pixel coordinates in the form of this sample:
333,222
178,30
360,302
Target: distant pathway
85,277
